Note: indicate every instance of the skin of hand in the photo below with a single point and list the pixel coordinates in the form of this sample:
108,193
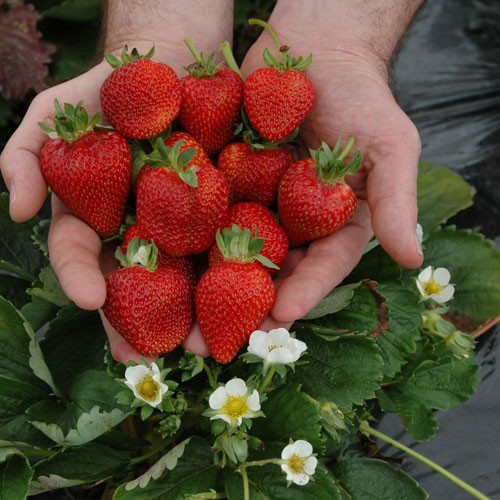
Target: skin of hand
353,98
76,252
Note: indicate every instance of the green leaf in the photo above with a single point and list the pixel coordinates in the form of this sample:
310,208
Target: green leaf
38,312
17,252
336,300
474,264
290,415
48,288
13,289
269,482
398,341
88,427
15,474
346,370
82,464
369,478
432,381
166,462
73,343
436,184
195,472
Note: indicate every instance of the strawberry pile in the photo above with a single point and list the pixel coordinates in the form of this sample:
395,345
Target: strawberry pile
206,169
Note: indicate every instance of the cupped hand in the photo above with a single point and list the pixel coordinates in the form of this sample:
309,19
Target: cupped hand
76,252
352,99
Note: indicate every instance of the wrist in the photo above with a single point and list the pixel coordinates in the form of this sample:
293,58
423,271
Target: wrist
165,24
368,30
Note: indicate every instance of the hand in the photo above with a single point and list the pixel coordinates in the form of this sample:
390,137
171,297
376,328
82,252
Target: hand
352,99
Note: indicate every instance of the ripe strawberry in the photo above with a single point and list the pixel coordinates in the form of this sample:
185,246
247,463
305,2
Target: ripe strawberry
87,168
253,174
233,297
278,98
261,223
313,198
211,101
184,264
180,204
141,97
150,307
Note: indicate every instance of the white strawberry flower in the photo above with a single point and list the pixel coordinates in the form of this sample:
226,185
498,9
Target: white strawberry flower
276,346
419,232
298,462
146,383
435,284
234,402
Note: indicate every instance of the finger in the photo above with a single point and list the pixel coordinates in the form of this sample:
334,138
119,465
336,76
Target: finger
392,197
74,250
120,349
196,343
270,323
326,263
20,169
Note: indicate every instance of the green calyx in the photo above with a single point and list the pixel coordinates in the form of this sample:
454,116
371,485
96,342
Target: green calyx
139,253
172,158
250,136
127,57
330,162
236,244
203,66
286,61
70,122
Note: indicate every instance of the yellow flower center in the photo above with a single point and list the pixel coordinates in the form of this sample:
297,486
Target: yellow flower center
296,464
148,388
236,406
431,287
273,347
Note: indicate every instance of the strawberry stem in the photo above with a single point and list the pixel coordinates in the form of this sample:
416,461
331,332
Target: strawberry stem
139,253
203,66
225,48
258,22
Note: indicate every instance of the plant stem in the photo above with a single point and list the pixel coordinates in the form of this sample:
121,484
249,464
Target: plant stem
269,377
192,49
246,488
256,463
210,376
225,48
366,429
263,24
347,148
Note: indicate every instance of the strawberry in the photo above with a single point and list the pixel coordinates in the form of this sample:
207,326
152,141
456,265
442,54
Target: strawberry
253,174
184,264
233,297
278,98
150,307
141,97
211,101
261,223
87,168
180,204
313,198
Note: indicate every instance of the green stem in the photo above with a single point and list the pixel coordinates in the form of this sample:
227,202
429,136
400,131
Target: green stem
210,376
225,48
260,463
263,24
246,487
347,148
192,49
269,377
366,429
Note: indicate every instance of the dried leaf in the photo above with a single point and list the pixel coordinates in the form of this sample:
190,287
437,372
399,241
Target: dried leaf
24,56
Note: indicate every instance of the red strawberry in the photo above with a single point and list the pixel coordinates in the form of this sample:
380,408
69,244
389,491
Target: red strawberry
180,204
261,223
278,98
253,174
87,168
211,101
141,97
150,307
232,298
313,198
184,264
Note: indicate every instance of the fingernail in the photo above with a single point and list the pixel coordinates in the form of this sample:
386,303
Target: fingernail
418,246
12,194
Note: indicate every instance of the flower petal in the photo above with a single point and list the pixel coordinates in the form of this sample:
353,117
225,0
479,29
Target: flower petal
310,465
301,479
303,448
218,398
136,373
425,275
253,401
442,276
288,451
445,295
236,387
278,336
